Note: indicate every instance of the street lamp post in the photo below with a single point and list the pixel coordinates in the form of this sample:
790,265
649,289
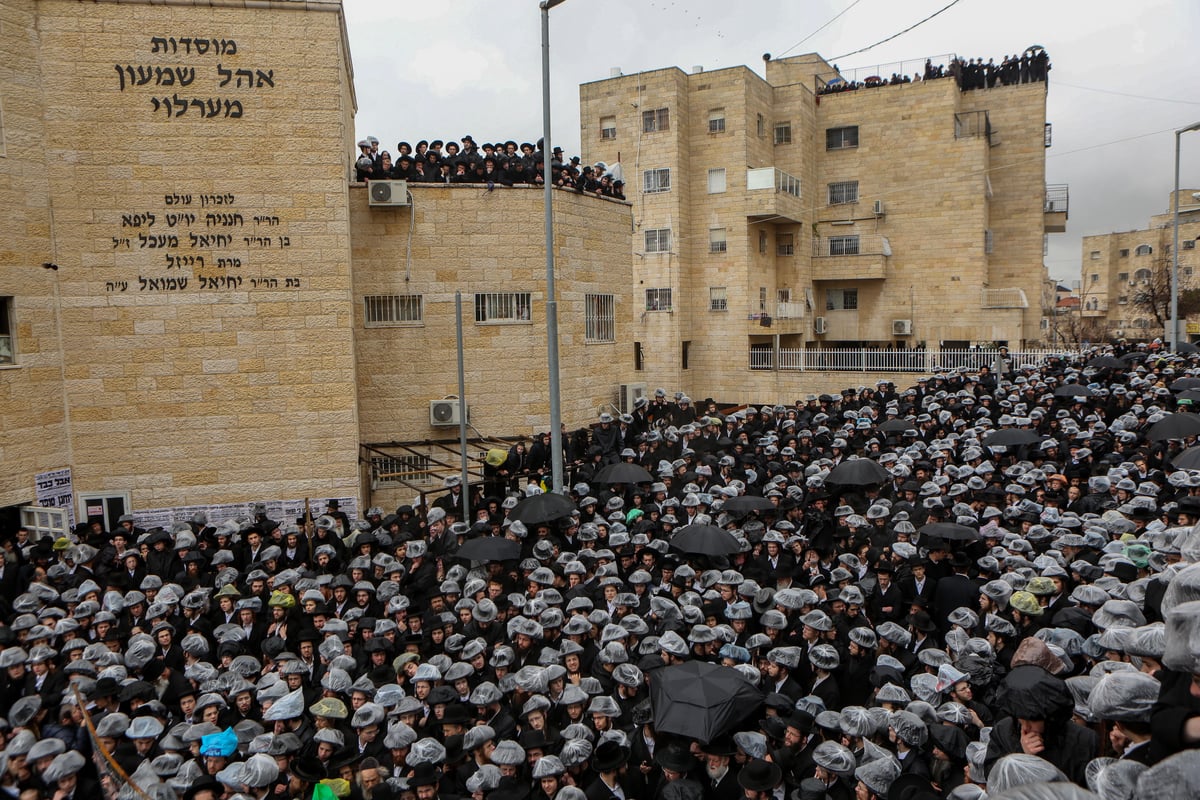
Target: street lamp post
556,449
1175,243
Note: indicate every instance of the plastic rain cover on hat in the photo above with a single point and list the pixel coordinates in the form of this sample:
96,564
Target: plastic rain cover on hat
1114,779
1019,769
1124,697
1175,778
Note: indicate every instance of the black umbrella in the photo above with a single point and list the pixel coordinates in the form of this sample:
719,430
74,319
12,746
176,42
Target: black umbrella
747,502
622,472
1186,348
1129,358
1011,437
1183,384
1107,362
858,472
705,540
545,507
490,548
1073,390
950,531
895,426
1188,459
1190,394
700,700
1174,426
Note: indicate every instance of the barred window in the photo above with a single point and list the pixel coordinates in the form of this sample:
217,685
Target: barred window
716,120
658,240
716,240
718,298
608,127
843,245
599,318
657,119
382,310
843,192
783,133
502,307
785,244
392,470
841,138
656,180
658,299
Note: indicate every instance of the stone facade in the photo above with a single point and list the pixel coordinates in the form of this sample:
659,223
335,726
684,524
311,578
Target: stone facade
185,167
1117,266
940,192
470,240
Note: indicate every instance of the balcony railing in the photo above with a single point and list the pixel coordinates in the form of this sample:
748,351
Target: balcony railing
1004,298
1058,198
910,361
851,245
973,124
772,178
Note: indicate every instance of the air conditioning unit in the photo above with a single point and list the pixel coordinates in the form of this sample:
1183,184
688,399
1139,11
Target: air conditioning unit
820,325
388,193
879,212
629,393
443,413
902,327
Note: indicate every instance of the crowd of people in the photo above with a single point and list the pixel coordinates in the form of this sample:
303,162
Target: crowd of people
498,164
1032,66
982,585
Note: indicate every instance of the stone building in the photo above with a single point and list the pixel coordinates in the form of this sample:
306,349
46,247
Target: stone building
181,323
772,218
1125,274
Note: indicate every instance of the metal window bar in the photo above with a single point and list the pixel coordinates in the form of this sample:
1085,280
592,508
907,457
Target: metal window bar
600,324
502,307
843,192
658,299
392,309
400,468
656,180
972,124
1058,198
900,361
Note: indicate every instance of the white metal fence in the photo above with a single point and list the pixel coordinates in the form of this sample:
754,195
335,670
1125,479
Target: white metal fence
763,357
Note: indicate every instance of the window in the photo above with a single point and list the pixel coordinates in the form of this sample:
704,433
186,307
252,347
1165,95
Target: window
761,125
7,331
783,295
843,245
684,352
716,120
600,318
1142,276
1094,255
608,127
762,299
393,470
382,310
1122,277
1187,272
785,244
716,240
1143,250
989,242
762,241
658,240
841,299
843,192
1188,244
656,180
502,307
1095,278
783,133
1124,252
716,180
658,299
1123,300
658,119
841,138
639,357
718,298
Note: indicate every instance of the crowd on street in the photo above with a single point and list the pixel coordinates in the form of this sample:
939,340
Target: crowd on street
985,584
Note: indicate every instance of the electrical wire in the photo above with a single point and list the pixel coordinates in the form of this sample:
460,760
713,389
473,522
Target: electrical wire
1128,94
915,25
818,30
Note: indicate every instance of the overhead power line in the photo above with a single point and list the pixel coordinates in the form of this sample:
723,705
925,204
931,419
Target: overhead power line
915,25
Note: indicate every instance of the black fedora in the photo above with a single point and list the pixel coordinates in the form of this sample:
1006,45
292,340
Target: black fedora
609,757
760,776
674,758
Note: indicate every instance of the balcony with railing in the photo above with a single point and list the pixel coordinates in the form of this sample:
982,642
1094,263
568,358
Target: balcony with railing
1004,298
763,357
787,317
1094,307
773,194
850,257
973,125
1055,208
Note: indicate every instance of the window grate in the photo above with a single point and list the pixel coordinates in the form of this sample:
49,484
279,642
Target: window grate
392,470
382,310
656,180
600,320
502,307
841,138
657,119
843,192
783,133
658,299
658,240
718,298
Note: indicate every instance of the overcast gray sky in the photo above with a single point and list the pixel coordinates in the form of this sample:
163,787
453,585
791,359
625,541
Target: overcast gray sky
1123,78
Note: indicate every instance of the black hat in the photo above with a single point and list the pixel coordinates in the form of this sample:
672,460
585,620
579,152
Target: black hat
425,774
207,783
760,776
721,746
456,714
922,622
105,687
609,757
674,757
308,769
